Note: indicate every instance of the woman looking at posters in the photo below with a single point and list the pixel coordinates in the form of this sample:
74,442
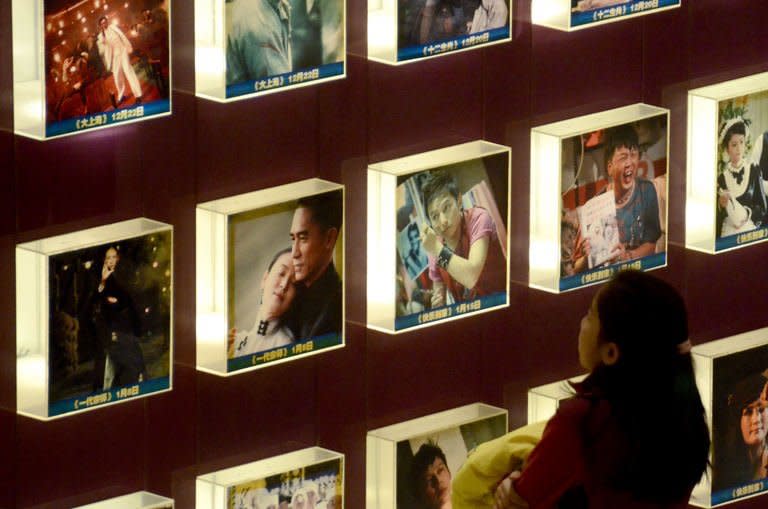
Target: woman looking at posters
277,294
741,186
634,435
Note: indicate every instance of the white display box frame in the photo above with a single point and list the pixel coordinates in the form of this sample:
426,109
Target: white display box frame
213,489
546,204
705,356
211,60
138,500
703,154
212,266
557,14
381,447
383,37
544,400
382,230
29,94
32,319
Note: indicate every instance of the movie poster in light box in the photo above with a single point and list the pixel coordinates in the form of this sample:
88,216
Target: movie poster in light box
105,62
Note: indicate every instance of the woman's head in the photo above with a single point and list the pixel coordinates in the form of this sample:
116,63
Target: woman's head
635,318
443,203
747,403
734,141
277,286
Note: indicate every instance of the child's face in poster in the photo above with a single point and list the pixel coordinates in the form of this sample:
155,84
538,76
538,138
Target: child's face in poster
754,418
278,287
445,215
735,148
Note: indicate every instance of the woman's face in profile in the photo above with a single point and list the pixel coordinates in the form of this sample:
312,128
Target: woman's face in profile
754,418
277,286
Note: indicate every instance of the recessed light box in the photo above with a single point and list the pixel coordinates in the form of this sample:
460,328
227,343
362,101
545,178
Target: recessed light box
138,500
307,478
245,49
93,318
392,451
251,281
427,214
579,14
408,31
598,197
80,65
726,204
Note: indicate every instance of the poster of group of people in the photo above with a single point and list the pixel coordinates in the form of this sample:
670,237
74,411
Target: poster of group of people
426,464
285,280
110,322
614,201
271,44
452,241
433,27
585,12
740,425
742,171
319,486
105,62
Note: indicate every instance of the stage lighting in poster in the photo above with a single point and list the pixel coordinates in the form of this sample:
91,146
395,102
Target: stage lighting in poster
312,477
399,456
270,272
577,14
93,318
598,197
246,48
544,400
80,65
138,500
727,203
732,377
410,30
438,236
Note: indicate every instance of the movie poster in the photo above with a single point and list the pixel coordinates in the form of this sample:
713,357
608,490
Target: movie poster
585,12
614,196
276,44
426,464
742,171
105,62
739,425
432,27
110,322
314,486
452,240
285,280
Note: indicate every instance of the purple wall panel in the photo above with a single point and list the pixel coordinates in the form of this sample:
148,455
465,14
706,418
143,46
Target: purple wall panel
163,167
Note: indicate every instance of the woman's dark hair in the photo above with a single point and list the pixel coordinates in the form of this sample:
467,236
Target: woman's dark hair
737,128
651,390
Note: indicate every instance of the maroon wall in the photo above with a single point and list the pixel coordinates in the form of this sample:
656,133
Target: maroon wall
161,168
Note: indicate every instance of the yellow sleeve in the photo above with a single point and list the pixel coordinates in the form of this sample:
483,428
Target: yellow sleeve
475,482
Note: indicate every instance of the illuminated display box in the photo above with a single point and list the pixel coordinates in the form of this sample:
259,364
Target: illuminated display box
726,204
245,48
138,500
400,453
598,197
544,399
411,30
312,477
437,235
731,375
93,318
270,272
80,65
577,14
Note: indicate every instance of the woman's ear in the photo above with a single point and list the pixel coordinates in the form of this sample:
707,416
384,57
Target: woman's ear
609,353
